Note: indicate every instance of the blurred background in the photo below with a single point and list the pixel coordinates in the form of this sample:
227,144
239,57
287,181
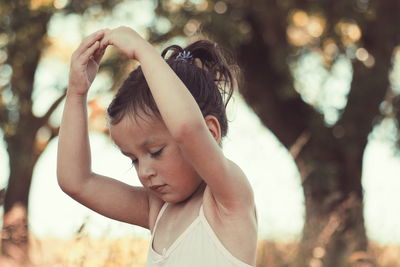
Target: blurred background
314,125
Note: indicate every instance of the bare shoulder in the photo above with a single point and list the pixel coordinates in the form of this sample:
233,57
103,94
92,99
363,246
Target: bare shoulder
242,195
242,204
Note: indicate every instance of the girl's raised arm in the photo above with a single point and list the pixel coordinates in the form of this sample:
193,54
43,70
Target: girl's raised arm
107,196
185,122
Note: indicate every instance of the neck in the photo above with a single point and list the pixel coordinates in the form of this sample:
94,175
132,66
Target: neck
200,190
198,193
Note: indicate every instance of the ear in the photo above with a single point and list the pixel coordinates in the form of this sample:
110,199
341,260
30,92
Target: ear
214,127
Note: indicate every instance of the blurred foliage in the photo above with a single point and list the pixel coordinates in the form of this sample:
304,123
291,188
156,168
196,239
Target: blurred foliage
269,39
85,251
23,44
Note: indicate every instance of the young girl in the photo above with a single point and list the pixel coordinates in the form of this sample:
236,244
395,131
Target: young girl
169,118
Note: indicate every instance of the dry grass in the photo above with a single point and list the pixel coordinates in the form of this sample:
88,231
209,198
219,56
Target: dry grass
387,256
88,252
270,254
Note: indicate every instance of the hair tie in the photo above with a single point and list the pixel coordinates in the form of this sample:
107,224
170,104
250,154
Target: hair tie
184,55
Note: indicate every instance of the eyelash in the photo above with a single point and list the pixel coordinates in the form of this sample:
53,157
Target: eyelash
157,153
153,155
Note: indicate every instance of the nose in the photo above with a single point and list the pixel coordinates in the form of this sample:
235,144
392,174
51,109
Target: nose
146,170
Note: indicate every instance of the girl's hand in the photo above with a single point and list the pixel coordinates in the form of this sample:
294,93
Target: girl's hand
85,63
126,40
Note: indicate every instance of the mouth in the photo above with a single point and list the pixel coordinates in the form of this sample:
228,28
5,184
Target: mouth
158,188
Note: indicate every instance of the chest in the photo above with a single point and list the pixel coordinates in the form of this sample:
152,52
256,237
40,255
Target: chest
171,226
208,241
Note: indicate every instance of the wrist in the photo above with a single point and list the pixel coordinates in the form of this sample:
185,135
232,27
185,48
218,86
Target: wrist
145,51
75,93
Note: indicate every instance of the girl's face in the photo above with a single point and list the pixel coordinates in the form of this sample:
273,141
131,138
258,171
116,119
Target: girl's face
158,161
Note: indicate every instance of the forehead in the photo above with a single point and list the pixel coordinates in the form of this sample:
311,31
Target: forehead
138,131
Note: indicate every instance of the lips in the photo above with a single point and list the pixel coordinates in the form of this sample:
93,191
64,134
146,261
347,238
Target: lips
157,188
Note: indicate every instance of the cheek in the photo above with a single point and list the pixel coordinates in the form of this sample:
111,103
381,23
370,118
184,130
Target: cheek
180,163
174,163
141,181
172,155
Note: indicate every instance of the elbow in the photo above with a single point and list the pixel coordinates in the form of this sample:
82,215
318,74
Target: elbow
68,184
66,187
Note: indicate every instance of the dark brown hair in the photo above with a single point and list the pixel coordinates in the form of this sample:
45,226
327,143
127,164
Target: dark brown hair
205,72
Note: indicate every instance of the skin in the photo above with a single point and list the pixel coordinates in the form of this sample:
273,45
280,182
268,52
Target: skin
157,162
191,164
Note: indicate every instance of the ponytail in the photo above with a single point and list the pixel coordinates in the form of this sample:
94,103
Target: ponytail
204,70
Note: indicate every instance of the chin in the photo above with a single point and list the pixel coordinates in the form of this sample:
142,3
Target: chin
174,199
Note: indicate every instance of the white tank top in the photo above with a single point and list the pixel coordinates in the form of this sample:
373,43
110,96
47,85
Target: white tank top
197,246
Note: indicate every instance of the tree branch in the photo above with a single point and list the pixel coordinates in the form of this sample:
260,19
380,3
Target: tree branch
269,84
370,85
53,107
157,39
3,115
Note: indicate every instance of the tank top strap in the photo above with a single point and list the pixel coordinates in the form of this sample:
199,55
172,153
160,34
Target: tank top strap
201,211
160,213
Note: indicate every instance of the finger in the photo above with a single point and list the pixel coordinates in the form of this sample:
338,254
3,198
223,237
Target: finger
88,54
106,40
103,43
89,41
99,54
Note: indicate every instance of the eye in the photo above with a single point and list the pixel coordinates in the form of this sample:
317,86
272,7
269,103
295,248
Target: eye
156,154
134,161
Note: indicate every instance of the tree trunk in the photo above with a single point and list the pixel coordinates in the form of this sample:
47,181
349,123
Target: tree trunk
334,224
329,158
334,233
23,156
28,39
